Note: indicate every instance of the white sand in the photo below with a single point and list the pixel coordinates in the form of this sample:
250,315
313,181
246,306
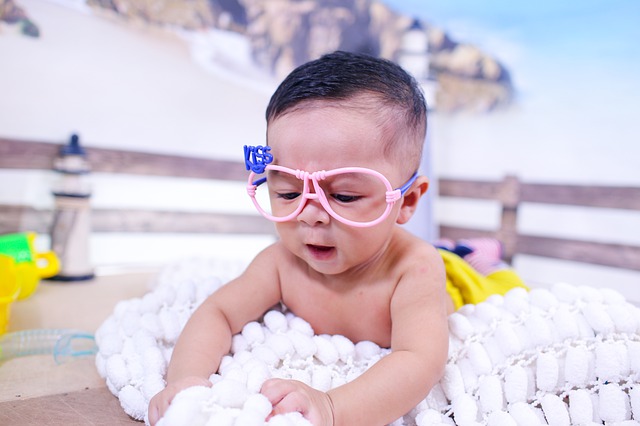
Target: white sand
132,87
121,86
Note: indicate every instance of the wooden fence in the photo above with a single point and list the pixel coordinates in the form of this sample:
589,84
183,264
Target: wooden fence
510,193
40,156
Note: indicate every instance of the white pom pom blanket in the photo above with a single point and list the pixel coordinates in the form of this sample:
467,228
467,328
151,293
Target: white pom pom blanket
569,355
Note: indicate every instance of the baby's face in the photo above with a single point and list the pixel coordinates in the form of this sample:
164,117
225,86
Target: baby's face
321,137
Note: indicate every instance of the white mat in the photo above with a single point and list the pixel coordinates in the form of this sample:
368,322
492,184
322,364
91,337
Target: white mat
569,355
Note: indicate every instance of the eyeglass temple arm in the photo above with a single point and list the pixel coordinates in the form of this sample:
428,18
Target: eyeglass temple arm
259,181
407,185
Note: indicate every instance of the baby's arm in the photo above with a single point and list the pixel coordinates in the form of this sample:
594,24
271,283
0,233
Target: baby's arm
206,337
420,341
399,381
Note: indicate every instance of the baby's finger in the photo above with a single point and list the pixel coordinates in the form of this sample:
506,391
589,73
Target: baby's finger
154,414
276,389
292,402
157,407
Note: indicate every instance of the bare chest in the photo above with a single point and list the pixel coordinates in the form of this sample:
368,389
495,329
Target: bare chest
361,312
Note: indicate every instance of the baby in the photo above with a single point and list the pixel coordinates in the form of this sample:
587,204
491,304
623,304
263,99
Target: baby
338,176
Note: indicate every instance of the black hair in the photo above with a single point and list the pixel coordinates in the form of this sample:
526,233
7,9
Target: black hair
341,76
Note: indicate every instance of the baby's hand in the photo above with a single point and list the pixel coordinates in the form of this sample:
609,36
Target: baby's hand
290,395
161,401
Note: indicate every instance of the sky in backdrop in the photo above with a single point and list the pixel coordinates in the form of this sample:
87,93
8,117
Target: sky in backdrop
575,68
594,40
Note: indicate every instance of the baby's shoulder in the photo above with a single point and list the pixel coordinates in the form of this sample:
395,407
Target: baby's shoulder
412,247
413,252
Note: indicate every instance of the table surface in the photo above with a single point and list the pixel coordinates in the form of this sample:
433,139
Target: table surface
34,390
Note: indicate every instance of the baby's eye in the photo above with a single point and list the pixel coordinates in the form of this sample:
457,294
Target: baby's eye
346,198
288,195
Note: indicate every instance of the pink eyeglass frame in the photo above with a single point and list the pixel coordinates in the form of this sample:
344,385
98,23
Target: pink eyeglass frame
392,195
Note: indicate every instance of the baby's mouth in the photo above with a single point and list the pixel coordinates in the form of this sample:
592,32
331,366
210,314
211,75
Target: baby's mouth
316,247
320,251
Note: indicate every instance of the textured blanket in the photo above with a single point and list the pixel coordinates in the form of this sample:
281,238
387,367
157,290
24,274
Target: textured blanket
568,355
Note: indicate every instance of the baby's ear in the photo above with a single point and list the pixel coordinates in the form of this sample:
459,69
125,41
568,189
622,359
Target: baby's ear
411,198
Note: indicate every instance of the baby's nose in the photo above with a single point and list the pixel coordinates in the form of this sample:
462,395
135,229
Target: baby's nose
313,213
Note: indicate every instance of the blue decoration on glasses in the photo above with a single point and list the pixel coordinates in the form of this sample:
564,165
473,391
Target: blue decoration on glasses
256,158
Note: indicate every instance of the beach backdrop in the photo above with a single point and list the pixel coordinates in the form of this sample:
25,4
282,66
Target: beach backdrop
126,84
575,68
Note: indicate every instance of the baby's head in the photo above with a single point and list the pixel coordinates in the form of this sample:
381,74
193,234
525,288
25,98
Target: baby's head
373,85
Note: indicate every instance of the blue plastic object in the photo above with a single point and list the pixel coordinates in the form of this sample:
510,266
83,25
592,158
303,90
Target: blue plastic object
256,158
61,343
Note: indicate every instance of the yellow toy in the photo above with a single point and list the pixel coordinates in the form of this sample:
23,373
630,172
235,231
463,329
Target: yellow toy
21,269
9,290
30,265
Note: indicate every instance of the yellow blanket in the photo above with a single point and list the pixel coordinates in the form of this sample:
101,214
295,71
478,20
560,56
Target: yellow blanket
466,285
